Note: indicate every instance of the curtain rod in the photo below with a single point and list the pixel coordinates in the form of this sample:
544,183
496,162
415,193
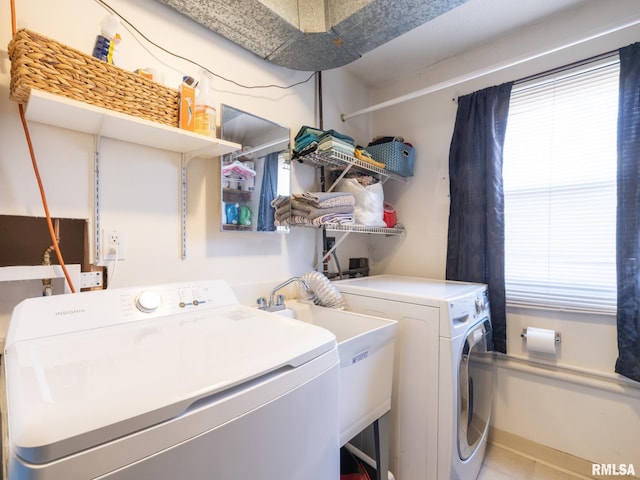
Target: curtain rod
482,72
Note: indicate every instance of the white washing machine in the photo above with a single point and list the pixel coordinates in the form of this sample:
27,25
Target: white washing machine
443,378
167,382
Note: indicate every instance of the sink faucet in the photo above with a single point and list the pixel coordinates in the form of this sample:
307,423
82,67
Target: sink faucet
277,303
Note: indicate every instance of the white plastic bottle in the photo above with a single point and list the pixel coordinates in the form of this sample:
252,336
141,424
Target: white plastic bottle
104,45
205,110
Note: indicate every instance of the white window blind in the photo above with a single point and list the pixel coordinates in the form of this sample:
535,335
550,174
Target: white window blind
559,178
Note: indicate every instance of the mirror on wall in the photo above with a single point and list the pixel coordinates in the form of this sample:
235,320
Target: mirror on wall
254,176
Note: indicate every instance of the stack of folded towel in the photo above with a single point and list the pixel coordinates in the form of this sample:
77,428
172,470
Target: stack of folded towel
306,140
282,213
238,168
333,140
309,139
314,208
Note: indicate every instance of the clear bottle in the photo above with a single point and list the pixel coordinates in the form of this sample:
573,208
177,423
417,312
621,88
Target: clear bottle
205,111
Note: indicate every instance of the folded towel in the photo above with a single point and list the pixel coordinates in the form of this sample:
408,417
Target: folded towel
312,147
341,147
280,200
299,220
332,141
294,212
365,156
319,212
305,130
337,136
305,141
307,209
339,218
282,214
330,218
326,199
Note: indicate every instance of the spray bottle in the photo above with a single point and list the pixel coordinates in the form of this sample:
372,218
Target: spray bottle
104,45
205,111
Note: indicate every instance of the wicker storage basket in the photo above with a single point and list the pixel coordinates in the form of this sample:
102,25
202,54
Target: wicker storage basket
396,156
44,64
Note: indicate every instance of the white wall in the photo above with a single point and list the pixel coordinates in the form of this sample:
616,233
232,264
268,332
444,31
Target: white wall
140,194
588,410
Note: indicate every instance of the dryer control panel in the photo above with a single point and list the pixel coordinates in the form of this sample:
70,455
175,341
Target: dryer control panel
465,312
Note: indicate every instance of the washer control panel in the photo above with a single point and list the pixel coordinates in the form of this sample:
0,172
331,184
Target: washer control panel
175,298
58,314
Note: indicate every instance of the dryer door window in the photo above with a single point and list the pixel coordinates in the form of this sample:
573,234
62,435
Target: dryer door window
475,388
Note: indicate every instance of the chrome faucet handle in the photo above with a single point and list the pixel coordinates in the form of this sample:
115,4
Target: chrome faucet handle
262,303
279,300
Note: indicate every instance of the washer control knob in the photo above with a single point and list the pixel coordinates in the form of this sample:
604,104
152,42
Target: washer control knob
147,301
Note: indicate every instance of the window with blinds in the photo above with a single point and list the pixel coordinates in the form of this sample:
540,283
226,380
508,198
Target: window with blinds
559,177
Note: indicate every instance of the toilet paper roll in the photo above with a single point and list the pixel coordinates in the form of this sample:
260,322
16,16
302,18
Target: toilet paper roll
541,340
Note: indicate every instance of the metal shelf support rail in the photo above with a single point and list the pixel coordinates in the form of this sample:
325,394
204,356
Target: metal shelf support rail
96,198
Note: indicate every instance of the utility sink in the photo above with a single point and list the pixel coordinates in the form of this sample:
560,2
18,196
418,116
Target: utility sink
365,349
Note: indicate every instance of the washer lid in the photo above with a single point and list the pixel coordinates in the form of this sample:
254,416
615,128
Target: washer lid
70,392
421,291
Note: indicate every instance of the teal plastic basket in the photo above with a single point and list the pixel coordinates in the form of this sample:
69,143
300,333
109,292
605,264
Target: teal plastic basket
397,157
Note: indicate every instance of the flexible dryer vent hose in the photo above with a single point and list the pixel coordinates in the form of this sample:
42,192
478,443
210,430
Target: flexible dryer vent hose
326,295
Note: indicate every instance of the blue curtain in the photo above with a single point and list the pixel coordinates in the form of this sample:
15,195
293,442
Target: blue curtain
268,191
628,214
475,249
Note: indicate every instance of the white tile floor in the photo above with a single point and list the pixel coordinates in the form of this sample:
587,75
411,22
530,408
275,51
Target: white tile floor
502,464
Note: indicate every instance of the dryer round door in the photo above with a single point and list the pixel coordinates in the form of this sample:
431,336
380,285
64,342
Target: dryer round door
475,387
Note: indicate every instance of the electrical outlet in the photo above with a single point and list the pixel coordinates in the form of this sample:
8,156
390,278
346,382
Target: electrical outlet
113,245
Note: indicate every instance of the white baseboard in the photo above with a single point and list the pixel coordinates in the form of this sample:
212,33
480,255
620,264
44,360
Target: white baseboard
551,457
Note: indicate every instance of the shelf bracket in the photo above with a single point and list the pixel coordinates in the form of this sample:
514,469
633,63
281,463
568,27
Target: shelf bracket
331,250
344,172
97,140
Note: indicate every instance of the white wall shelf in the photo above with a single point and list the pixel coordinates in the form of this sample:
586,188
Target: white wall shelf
62,112
50,109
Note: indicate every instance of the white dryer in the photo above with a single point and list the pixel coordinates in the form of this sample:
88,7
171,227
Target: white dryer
167,382
443,379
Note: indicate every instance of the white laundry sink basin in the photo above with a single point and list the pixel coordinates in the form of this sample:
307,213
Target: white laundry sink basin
365,348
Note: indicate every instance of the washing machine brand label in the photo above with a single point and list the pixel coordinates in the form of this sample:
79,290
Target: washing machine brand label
359,357
72,311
